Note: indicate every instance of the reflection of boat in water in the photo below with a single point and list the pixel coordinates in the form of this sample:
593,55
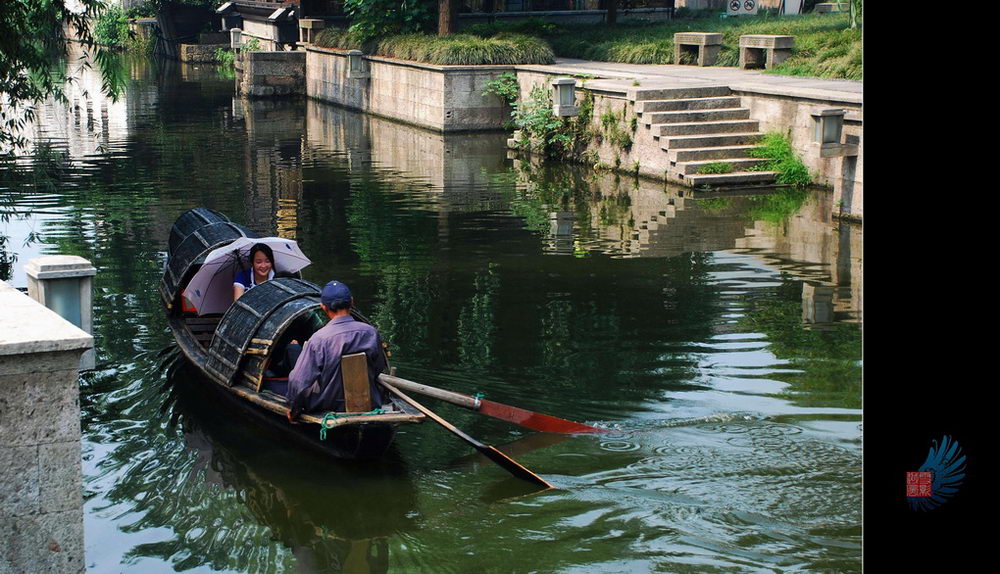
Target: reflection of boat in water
235,349
333,517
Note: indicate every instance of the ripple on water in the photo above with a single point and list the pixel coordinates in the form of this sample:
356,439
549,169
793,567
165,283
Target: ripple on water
620,445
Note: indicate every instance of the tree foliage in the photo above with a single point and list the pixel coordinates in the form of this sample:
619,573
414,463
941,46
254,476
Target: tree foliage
33,37
378,18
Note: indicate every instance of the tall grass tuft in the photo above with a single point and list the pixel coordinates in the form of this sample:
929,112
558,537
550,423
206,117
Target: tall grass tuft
777,150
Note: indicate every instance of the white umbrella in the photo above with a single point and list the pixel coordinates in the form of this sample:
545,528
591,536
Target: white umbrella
211,288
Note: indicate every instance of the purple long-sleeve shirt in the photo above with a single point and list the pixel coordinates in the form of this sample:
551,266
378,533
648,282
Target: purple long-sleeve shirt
316,384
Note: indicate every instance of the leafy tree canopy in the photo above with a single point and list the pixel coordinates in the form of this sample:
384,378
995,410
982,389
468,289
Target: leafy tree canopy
31,38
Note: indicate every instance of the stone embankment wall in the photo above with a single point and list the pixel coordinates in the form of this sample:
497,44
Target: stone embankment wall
199,53
443,98
41,502
270,74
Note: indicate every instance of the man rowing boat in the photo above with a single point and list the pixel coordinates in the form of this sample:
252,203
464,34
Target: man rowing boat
316,382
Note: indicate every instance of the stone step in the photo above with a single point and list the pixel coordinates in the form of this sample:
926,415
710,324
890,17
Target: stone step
713,140
704,128
689,116
735,178
711,153
645,94
738,165
687,104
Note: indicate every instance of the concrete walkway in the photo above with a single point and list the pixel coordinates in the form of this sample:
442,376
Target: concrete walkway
622,77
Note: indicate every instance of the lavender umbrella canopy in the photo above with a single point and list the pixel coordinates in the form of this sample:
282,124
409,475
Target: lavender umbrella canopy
211,288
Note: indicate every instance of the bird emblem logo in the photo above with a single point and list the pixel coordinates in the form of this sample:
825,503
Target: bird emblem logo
938,478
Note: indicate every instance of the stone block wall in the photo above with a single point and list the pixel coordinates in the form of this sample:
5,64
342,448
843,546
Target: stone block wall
443,98
793,116
270,74
41,502
193,53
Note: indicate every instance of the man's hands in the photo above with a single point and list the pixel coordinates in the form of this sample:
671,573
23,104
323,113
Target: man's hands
291,419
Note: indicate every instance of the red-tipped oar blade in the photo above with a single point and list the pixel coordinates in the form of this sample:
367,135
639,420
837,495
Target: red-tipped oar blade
533,420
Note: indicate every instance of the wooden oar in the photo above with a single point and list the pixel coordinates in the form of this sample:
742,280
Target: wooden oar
518,416
507,463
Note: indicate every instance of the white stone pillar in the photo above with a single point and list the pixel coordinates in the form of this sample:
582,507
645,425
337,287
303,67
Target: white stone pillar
63,283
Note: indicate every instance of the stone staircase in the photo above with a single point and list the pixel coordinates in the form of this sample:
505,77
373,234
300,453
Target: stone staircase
701,125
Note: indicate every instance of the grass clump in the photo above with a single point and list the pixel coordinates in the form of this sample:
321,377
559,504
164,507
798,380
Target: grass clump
716,167
456,49
776,149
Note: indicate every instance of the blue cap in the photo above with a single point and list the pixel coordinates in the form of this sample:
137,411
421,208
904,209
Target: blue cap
335,292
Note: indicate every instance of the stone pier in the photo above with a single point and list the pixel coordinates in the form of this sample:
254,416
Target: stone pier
41,501
271,74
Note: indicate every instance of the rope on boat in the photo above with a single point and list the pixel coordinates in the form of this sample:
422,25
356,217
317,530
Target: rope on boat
334,416
479,396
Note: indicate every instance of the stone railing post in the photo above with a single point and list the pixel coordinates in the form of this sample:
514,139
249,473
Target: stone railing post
41,501
63,283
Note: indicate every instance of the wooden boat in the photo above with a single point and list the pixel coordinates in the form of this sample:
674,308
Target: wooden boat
235,349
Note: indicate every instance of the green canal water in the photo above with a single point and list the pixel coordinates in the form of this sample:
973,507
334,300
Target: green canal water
717,335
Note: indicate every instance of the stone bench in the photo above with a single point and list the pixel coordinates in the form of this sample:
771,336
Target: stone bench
308,28
764,50
826,8
705,45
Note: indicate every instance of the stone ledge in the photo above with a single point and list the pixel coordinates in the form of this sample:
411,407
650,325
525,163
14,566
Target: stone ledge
797,92
59,266
28,327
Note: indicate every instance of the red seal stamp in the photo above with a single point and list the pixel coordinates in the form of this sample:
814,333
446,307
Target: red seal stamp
919,483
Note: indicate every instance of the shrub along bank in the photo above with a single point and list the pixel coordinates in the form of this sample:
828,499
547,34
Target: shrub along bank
457,49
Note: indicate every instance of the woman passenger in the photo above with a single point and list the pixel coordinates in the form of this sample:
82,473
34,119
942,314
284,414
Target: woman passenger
261,270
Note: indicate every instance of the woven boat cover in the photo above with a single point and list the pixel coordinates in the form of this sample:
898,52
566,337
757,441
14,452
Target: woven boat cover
196,233
256,321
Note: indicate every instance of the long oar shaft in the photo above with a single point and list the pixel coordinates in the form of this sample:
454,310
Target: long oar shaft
504,461
449,396
516,415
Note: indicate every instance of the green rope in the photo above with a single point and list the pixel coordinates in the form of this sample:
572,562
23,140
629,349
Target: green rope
479,396
334,416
